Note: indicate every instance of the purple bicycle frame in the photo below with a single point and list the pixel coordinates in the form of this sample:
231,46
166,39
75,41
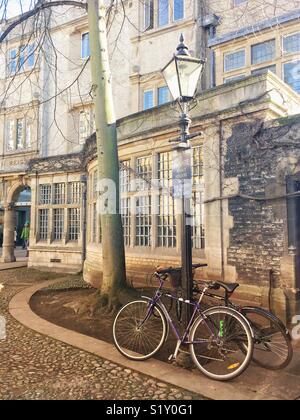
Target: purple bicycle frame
197,310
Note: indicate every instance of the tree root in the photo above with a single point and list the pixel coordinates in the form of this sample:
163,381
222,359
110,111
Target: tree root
104,305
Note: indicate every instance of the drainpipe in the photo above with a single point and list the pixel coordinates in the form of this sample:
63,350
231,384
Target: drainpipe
221,184
83,180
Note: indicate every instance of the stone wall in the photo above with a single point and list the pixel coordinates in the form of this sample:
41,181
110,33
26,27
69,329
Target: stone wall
262,156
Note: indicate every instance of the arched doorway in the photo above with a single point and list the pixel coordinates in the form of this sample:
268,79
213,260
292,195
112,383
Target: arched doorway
15,216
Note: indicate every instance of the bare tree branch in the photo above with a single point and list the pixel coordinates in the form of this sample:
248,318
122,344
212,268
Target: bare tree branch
38,8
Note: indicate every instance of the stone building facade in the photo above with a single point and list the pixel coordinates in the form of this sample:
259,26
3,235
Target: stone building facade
244,162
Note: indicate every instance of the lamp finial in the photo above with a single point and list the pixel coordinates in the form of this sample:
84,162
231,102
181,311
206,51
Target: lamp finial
182,48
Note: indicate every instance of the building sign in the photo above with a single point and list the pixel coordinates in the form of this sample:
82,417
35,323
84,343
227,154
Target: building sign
13,164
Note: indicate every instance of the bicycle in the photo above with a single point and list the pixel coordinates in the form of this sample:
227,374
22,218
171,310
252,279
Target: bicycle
220,340
272,341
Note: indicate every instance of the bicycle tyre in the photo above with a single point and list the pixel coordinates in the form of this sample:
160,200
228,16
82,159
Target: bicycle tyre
125,328
283,345
208,317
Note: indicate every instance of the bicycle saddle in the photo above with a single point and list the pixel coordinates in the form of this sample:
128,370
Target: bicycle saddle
229,287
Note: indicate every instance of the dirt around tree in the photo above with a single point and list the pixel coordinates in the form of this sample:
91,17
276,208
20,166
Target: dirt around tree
59,307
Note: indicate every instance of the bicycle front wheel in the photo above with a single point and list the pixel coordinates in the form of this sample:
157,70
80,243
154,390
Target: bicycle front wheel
221,344
139,330
272,343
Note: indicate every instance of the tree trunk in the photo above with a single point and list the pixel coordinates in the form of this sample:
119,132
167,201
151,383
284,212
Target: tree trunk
114,271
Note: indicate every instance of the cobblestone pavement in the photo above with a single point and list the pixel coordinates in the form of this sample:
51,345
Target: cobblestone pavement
37,367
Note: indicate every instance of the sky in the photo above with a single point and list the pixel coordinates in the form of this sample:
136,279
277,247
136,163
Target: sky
15,6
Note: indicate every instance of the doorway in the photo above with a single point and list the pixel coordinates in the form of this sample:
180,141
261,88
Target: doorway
293,208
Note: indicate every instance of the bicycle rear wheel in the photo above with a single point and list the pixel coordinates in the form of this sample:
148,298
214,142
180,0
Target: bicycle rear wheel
272,344
139,330
221,344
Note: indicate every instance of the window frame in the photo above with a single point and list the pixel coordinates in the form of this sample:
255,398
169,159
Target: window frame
226,54
75,228
297,60
283,37
169,95
153,98
58,224
150,4
46,220
266,60
81,49
89,120
154,22
21,60
173,13
11,139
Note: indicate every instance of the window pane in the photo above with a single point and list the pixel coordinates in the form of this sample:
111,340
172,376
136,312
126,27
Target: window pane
292,75
43,224
198,220
95,185
30,58
291,43
85,125
197,168
238,2
163,95
22,57
264,70
149,14
10,129
59,194
74,193
144,173
45,194
126,220
166,220
148,99
12,65
58,224
20,134
74,224
263,52
235,60
28,133
163,12
85,45
125,176
143,221
178,9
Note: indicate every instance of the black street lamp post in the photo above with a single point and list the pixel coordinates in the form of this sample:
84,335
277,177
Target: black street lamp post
182,75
